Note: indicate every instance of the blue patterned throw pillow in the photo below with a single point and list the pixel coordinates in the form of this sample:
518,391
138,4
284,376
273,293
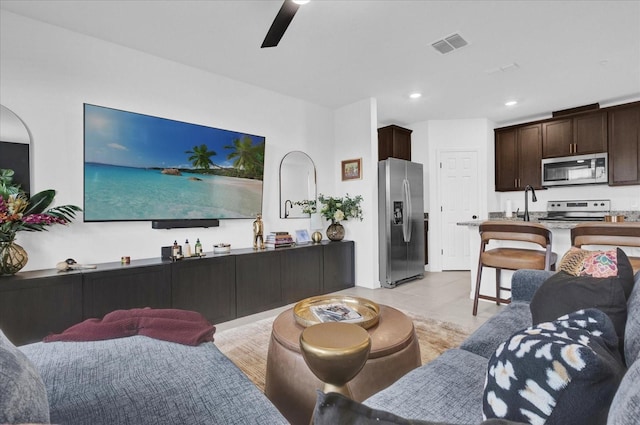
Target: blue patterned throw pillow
561,372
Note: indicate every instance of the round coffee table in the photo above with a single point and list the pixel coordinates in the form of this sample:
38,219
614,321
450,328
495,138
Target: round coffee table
291,386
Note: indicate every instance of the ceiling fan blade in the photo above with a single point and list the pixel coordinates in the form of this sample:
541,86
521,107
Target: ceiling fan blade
280,23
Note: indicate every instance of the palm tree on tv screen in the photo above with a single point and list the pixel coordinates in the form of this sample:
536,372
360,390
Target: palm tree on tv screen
247,158
201,157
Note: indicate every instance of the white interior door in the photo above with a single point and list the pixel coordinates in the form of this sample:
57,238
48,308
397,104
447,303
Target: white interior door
459,188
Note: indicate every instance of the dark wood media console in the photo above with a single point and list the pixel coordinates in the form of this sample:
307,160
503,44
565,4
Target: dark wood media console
221,287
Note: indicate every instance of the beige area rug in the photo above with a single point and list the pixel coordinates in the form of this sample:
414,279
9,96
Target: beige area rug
247,345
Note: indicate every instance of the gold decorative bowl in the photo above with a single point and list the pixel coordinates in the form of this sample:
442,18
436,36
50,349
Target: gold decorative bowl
369,311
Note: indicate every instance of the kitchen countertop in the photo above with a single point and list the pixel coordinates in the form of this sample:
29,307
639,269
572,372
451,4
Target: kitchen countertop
630,216
549,224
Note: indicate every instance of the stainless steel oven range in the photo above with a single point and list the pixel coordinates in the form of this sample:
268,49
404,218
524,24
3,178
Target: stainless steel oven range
580,210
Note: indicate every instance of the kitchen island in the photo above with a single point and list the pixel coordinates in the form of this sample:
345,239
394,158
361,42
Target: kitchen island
561,242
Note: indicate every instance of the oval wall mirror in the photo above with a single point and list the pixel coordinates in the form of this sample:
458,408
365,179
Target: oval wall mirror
297,183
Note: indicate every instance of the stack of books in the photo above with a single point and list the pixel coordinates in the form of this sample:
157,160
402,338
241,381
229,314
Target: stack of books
278,240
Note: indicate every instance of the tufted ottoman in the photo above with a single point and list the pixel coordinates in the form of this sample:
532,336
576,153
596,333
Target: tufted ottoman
291,386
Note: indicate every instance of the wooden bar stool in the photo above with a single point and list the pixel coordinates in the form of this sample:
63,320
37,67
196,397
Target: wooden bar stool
608,234
509,258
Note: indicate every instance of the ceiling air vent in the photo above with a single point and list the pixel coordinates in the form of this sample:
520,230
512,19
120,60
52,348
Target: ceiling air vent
449,44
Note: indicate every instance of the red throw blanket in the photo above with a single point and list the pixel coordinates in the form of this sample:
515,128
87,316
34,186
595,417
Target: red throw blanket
181,326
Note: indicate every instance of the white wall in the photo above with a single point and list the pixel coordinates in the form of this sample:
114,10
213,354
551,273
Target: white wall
356,137
47,73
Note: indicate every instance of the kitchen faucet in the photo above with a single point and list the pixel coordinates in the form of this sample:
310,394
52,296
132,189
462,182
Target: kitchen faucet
286,211
526,201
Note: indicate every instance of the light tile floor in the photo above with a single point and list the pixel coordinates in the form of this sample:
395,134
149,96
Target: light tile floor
439,295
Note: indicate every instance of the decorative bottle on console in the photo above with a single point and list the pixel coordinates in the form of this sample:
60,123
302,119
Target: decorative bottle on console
175,249
198,248
187,248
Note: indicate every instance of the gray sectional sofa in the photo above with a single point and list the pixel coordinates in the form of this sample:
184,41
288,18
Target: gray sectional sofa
133,380
450,388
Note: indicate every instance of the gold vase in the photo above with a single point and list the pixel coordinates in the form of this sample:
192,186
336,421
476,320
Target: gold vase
335,232
12,258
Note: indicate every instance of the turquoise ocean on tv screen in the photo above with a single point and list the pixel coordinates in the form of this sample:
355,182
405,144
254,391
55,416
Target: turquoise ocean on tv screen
126,193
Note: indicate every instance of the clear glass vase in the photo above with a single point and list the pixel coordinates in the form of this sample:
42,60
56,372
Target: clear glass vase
12,258
335,232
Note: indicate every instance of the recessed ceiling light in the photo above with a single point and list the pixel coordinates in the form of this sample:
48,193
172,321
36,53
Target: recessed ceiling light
415,95
511,103
301,1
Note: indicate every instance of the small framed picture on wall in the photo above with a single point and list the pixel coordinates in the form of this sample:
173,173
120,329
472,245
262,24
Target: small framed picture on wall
352,169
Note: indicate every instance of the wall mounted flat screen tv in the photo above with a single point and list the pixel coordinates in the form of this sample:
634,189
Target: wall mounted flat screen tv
143,168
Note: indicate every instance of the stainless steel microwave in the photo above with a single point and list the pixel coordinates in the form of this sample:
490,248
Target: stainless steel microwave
578,169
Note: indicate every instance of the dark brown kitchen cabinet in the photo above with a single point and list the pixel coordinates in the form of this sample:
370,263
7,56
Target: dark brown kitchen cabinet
518,157
578,135
506,170
590,133
557,138
624,145
394,142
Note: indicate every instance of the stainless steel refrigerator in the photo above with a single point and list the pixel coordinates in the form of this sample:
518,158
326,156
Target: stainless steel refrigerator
401,221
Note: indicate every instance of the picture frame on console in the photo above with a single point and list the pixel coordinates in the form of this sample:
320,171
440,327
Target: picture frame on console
302,237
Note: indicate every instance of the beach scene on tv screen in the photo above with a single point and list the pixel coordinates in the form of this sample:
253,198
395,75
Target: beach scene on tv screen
140,167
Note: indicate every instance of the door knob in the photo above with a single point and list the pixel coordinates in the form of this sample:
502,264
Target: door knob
474,216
